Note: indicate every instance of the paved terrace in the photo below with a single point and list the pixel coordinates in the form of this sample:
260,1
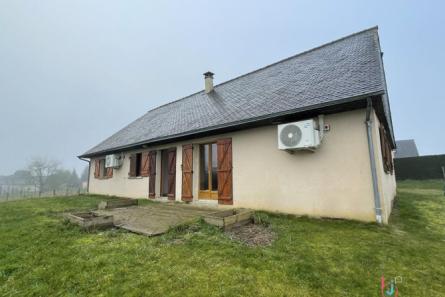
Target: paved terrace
155,218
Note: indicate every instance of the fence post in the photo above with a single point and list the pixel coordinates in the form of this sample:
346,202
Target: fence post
443,173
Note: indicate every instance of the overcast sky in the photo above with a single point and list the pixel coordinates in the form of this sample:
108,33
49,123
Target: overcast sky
74,72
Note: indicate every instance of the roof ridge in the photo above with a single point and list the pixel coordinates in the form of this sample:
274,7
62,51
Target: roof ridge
272,64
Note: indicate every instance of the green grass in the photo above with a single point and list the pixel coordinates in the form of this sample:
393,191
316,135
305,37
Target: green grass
40,255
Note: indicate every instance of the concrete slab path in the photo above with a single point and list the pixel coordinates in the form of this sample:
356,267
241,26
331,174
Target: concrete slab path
155,218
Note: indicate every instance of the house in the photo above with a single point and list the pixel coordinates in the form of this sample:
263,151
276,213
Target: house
220,146
406,149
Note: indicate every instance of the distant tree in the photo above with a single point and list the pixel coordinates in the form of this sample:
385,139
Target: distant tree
63,179
40,169
74,179
59,179
84,175
21,177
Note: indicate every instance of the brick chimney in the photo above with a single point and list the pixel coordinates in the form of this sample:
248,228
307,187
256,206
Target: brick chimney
208,77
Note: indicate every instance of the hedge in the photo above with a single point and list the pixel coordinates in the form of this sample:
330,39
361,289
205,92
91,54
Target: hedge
422,167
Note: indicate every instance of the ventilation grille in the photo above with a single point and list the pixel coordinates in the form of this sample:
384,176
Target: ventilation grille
290,135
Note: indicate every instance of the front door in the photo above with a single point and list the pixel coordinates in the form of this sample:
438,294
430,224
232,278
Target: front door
208,177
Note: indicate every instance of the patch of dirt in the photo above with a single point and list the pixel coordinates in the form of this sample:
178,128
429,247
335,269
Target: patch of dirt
252,235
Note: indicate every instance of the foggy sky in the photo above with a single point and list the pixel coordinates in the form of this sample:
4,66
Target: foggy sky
74,72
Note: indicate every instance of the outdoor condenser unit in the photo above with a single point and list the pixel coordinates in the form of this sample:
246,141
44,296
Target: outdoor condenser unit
113,161
299,135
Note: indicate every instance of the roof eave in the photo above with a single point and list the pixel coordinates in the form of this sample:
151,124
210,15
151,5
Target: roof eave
317,107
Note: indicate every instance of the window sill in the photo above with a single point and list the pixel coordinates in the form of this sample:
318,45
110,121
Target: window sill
135,177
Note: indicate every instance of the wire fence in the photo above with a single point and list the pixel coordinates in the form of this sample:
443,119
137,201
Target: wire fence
17,193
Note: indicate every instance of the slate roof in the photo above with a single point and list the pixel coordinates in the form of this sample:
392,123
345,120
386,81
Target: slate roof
349,67
406,148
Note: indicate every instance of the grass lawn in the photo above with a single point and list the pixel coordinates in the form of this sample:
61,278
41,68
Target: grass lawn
40,255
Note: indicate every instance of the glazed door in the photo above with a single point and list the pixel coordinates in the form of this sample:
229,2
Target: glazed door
208,171
168,173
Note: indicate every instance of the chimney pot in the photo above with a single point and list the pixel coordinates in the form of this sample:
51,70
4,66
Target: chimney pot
208,78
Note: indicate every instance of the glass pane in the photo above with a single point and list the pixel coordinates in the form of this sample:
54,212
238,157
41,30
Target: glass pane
204,167
214,168
103,169
138,164
164,171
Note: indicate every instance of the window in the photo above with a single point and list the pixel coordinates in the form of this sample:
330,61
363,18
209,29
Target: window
100,171
138,164
103,169
135,165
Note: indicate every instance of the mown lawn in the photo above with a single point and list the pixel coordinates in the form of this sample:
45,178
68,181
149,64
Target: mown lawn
40,255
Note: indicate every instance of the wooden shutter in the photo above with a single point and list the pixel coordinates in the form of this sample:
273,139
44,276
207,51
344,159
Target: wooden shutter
96,168
132,172
187,172
109,172
224,147
385,147
389,157
145,164
152,174
171,174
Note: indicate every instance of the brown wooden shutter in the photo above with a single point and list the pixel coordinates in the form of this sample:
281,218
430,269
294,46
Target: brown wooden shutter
385,146
109,172
171,174
389,157
152,174
96,168
133,159
145,164
225,171
187,172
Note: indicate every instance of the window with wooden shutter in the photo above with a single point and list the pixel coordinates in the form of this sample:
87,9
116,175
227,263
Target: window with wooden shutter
145,164
187,172
100,171
224,147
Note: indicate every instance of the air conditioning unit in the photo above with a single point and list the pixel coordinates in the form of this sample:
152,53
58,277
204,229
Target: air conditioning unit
113,161
299,135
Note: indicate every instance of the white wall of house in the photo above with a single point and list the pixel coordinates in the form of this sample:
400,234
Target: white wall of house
387,182
120,184
334,181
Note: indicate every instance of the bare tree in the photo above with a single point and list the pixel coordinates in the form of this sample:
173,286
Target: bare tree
40,168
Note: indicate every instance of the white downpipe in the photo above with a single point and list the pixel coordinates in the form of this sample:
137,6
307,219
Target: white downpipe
368,122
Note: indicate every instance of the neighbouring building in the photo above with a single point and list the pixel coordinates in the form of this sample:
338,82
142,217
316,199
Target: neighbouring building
406,149
232,144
